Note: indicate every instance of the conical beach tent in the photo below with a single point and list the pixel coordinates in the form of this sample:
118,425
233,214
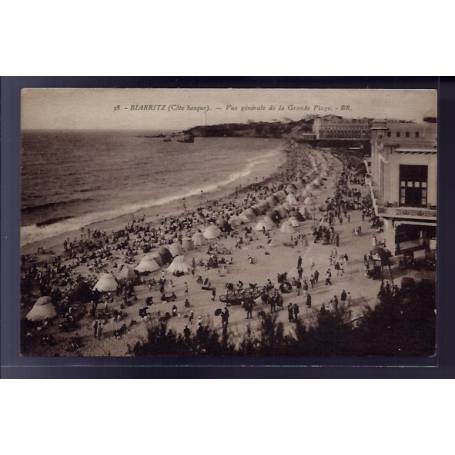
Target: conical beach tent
106,283
178,265
211,232
41,310
147,264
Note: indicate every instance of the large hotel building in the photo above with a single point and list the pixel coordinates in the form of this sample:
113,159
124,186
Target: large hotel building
402,173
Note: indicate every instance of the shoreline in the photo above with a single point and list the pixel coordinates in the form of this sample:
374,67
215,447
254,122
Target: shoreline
265,170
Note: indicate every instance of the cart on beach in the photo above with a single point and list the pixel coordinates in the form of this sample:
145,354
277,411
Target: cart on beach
237,297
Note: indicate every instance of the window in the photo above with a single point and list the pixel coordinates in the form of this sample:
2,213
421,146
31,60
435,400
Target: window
407,134
389,134
398,134
413,185
417,134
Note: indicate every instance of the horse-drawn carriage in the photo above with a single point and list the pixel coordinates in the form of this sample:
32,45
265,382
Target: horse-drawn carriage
236,297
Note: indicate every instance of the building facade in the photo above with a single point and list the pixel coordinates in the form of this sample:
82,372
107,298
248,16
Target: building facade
402,173
335,127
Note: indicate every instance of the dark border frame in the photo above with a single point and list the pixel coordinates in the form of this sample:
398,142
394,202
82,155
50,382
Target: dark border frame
15,366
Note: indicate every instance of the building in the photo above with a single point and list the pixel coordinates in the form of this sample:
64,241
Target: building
336,127
402,173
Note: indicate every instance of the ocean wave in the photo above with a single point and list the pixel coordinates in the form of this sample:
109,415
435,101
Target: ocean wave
53,205
41,231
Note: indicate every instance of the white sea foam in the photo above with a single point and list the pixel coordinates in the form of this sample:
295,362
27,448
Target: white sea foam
33,233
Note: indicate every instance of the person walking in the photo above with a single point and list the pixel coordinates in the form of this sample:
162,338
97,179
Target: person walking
298,285
299,262
290,312
343,297
213,293
95,328
308,300
296,311
316,276
100,330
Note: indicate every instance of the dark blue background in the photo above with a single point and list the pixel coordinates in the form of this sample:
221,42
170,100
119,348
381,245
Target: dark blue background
13,365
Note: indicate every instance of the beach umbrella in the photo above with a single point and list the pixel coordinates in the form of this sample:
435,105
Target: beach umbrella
198,239
147,264
41,310
175,249
106,283
187,244
211,232
126,273
178,265
265,223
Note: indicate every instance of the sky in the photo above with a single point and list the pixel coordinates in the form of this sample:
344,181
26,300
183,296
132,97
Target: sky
176,109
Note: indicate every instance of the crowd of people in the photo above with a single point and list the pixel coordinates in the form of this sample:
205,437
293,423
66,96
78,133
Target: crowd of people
69,277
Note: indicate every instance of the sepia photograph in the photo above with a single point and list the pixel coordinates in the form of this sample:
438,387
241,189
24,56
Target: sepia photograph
228,222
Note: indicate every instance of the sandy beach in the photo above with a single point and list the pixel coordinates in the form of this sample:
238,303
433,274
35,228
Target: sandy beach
246,254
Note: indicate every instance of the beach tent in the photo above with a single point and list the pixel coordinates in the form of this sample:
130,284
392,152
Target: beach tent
211,232
265,223
175,249
165,255
126,273
287,227
147,264
290,199
156,256
187,244
198,239
106,283
41,310
178,265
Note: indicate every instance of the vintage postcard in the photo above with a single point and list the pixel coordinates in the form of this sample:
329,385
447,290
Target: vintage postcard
228,222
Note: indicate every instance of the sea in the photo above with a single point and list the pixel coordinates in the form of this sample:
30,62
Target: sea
72,179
